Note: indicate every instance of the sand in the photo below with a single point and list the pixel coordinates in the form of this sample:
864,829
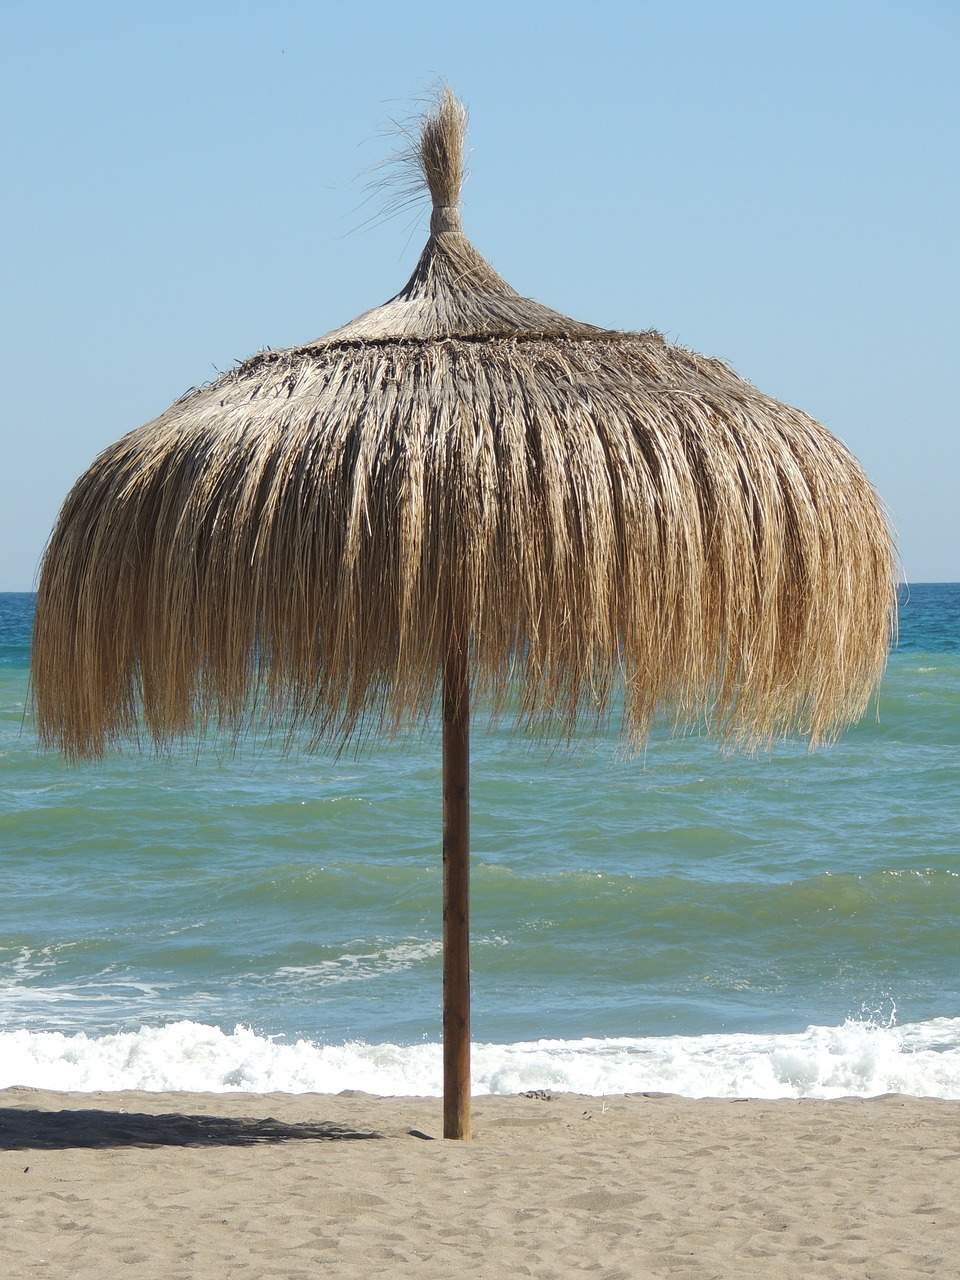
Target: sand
211,1186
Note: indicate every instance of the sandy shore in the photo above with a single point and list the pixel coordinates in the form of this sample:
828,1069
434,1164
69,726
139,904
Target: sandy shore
225,1186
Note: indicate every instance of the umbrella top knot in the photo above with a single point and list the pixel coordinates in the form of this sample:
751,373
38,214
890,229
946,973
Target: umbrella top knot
442,138
454,293
445,217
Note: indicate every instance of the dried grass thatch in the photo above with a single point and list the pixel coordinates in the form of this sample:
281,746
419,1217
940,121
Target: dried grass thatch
465,470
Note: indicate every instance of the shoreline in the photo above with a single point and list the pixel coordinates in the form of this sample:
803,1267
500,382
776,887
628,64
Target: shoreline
353,1185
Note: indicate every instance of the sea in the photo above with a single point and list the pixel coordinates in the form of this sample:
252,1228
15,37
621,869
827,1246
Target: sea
779,925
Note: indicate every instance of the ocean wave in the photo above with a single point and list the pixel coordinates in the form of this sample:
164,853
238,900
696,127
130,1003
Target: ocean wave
857,1058
360,966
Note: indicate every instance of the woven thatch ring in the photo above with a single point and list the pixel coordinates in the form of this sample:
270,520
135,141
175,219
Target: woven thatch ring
445,217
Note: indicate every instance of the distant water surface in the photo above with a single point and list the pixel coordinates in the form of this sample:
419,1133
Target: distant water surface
784,925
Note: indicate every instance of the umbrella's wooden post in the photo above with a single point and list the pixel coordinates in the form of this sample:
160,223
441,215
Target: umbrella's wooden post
456,896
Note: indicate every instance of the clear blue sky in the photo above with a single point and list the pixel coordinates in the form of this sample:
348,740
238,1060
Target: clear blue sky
771,182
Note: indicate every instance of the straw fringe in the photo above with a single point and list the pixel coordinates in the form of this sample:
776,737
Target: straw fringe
306,539
309,535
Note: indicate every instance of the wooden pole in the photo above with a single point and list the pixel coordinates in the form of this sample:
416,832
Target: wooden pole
456,896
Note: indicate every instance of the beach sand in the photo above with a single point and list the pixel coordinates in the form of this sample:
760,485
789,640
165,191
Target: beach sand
225,1186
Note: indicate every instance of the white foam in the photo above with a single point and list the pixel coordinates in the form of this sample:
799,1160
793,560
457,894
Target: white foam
857,1058
361,966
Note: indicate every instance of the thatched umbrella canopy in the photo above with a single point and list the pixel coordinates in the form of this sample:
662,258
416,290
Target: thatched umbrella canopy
465,493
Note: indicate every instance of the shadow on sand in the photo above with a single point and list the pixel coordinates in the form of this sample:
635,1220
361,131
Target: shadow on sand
25,1130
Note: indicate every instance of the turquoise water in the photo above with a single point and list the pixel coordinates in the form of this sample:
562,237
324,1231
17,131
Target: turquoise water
785,924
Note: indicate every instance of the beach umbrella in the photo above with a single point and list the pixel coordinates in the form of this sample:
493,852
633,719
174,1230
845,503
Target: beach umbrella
460,495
